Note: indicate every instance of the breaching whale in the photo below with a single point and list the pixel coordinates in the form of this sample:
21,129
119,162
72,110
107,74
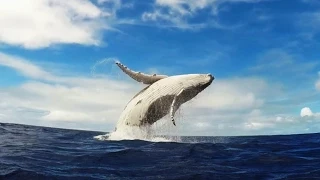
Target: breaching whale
163,95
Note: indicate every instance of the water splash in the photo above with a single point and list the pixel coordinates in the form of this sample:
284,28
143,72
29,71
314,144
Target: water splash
104,67
146,133
161,131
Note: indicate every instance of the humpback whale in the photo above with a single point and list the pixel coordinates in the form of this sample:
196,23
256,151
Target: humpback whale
163,95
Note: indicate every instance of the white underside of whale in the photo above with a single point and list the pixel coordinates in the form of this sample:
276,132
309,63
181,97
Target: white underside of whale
139,105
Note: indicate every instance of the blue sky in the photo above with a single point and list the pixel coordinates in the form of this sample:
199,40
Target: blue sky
55,62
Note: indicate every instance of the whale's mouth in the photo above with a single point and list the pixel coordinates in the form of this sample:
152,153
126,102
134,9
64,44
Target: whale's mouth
208,83
211,77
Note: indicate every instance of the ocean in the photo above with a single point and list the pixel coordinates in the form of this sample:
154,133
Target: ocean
30,152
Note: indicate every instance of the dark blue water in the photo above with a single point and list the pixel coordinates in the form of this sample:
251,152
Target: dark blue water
28,152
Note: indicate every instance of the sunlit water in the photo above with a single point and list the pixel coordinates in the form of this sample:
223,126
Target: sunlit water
28,152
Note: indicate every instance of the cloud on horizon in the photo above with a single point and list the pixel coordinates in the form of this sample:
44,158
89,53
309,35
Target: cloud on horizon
47,97
233,106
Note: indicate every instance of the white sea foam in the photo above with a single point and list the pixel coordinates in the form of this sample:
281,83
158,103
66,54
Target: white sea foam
137,133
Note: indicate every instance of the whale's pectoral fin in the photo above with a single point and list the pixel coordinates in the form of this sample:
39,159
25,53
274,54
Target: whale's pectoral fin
140,77
175,105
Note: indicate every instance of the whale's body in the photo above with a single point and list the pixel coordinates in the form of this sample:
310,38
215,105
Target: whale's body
163,95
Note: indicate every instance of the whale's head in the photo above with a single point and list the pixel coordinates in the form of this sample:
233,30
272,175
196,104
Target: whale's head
202,81
192,84
196,81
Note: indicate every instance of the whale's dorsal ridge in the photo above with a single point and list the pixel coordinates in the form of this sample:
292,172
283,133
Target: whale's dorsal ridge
139,76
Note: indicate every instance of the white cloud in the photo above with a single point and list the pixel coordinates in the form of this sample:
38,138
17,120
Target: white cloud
232,94
178,13
228,107
53,100
257,120
306,112
24,67
41,23
257,125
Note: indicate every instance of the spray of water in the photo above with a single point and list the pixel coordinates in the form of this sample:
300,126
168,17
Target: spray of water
145,133
162,130
105,67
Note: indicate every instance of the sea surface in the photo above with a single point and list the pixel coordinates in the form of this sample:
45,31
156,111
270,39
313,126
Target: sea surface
29,152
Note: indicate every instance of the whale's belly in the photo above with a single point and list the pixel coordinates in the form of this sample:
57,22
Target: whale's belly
150,104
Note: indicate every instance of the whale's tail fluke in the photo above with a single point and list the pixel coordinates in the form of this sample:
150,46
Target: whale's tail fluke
140,77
